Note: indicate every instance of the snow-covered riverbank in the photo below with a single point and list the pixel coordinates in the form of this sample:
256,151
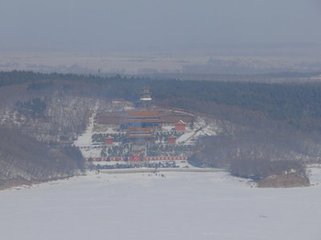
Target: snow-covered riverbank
163,206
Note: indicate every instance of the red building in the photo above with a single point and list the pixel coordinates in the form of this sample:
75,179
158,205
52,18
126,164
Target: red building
180,126
135,158
171,140
109,140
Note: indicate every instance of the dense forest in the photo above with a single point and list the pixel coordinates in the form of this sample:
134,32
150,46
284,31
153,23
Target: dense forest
24,160
297,103
263,123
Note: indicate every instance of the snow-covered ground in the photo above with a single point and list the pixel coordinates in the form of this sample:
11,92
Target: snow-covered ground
202,127
85,139
147,206
314,173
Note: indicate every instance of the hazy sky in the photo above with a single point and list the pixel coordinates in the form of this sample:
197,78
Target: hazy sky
145,25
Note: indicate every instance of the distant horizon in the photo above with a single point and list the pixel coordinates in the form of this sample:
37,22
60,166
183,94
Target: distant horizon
185,64
303,50
164,27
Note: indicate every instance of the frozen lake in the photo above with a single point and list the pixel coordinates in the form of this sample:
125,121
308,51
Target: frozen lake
189,206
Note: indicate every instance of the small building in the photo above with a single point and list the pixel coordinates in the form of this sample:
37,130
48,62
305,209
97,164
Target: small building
180,126
171,140
135,158
139,133
109,140
121,104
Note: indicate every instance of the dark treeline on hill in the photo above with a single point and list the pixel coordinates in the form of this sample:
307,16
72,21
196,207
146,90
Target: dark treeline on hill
298,103
267,129
24,160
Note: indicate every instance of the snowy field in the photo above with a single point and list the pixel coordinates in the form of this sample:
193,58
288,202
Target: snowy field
185,206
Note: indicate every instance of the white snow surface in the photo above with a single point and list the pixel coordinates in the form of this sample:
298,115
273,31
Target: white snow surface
185,206
314,172
85,138
202,127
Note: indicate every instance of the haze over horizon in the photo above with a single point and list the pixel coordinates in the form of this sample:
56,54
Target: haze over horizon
159,26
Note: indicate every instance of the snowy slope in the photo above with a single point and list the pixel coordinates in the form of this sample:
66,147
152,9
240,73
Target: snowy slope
144,206
85,138
202,127
314,173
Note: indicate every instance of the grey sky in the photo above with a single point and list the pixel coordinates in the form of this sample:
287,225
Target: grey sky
144,25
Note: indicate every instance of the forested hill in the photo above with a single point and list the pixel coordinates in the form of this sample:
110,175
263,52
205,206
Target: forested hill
298,103
24,160
42,114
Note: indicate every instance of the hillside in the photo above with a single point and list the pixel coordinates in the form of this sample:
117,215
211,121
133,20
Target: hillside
24,160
